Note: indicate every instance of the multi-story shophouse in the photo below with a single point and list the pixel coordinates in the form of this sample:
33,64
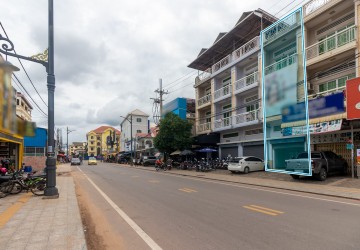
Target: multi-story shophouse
228,91
136,122
332,47
23,107
103,141
77,148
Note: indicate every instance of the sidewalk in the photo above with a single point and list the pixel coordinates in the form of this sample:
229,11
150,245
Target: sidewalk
30,222
336,186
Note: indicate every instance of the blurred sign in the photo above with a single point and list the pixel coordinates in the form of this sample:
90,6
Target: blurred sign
316,128
353,98
358,156
324,106
349,146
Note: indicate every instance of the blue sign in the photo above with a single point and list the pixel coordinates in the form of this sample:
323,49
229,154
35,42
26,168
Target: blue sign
324,106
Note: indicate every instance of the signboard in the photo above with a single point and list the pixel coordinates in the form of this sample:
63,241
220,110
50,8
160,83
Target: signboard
324,106
316,128
353,98
358,156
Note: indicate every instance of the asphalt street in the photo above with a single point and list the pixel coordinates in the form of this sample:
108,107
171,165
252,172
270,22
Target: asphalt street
188,213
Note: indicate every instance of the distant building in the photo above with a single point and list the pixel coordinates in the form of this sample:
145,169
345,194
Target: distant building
77,148
23,107
35,149
136,120
103,141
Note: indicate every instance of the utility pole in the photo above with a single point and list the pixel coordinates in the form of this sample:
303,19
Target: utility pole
159,101
67,140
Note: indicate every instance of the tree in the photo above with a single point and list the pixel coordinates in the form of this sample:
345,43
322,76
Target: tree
174,134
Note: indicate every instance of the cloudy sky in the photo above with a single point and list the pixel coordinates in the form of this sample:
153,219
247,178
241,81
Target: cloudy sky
110,54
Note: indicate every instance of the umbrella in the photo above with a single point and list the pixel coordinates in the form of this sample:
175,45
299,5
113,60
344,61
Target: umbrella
207,150
186,152
177,152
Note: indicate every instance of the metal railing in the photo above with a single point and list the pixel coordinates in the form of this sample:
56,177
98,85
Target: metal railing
281,28
314,5
223,122
220,64
247,48
330,43
204,100
204,75
247,81
224,91
204,127
247,117
281,64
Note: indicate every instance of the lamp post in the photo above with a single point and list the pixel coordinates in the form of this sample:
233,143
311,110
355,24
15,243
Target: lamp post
47,60
131,126
67,140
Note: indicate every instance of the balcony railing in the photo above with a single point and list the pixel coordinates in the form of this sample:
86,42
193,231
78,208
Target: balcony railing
313,5
204,100
222,63
281,64
247,48
247,117
204,127
281,28
330,43
223,92
224,122
204,75
247,81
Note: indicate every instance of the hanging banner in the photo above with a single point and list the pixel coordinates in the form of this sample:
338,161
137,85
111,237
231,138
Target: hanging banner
353,98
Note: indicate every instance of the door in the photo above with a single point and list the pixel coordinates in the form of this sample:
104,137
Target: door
232,151
254,150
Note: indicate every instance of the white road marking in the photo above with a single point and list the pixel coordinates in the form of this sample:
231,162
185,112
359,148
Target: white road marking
260,189
149,241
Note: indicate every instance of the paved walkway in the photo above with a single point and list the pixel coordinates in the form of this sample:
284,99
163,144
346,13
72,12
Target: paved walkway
336,186
30,222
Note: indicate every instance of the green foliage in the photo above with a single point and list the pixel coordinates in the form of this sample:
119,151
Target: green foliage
174,134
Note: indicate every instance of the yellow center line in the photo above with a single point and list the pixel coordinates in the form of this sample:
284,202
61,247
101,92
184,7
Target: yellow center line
267,209
11,211
260,211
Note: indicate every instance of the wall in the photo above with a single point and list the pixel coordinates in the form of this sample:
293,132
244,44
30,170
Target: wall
36,162
39,140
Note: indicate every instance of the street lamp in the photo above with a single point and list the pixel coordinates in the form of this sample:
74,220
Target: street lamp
131,126
47,60
67,140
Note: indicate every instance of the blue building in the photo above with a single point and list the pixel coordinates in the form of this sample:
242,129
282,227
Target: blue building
36,145
183,107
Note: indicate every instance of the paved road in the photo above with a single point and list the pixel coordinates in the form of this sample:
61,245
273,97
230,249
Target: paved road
188,213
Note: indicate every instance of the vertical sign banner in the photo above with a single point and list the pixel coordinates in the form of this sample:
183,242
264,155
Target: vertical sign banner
358,157
353,98
284,91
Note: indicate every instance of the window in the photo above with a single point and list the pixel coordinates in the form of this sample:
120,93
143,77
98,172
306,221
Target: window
138,131
18,102
227,114
254,131
97,138
277,128
208,116
335,84
208,91
138,120
92,137
253,159
226,85
92,149
253,106
230,135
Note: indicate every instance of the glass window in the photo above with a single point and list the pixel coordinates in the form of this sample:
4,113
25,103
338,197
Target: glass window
208,116
230,135
138,131
342,82
138,120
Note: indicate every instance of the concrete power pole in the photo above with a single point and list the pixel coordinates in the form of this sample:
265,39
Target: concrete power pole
159,101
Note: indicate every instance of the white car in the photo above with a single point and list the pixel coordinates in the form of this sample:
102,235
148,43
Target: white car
246,164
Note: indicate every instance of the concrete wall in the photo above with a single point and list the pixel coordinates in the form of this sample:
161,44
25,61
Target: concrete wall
36,162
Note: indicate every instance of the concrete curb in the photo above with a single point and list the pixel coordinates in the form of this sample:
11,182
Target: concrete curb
251,184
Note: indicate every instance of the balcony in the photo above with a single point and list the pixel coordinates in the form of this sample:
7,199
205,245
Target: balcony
222,93
223,123
283,63
243,51
204,127
203,76
247,82
314,5
331,43
203,101
282,28
246,119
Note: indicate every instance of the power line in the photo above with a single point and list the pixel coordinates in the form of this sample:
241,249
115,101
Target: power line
28,94
23,67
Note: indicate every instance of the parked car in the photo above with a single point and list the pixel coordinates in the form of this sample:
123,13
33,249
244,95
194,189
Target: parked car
75,161
147,160
246,164
322,164
92,161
